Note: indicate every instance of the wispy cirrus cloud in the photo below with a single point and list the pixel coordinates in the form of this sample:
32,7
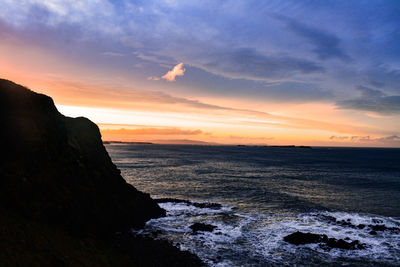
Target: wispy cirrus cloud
366,138
228,55
129,98
151,131
247,63
327,45
246,138
372,100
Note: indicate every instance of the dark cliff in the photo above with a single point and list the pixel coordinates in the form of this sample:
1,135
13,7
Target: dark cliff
60,191
57,170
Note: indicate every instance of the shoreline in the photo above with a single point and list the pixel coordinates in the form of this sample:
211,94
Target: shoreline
332,236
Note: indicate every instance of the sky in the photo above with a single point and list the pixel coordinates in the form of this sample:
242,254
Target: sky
320,73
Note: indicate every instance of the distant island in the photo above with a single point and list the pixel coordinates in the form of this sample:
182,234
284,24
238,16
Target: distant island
277,146
195,142
62,198
293,146
125,142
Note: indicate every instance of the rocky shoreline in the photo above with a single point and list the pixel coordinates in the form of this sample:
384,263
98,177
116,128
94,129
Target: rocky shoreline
62,199
327,243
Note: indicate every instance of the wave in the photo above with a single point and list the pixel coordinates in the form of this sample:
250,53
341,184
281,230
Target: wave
252,239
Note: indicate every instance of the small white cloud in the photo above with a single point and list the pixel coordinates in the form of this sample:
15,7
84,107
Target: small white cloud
178,70
153,78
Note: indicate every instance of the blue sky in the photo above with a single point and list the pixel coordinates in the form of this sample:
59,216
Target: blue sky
342,53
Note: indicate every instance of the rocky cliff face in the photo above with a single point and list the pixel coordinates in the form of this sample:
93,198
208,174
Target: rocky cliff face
62,200
55,169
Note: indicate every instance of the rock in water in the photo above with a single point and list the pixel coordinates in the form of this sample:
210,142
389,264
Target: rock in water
340,243
299,238
202,227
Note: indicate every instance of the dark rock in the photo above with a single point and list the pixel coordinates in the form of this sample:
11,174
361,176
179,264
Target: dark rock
161,252
299,238
382,227
156,233
372,227
61,197
361,226
214,206
202,227
358,245
329,219
58,171
346,223
378,227
333,220
341,244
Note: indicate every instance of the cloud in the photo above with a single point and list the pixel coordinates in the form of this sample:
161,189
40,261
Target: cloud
151,131
369,92
124,96
391,138
305,57
178,70
382,75
334,137
94,15
153,78
247,63
152,57
246,138
245,89
366,138
377,83
372,100
327,45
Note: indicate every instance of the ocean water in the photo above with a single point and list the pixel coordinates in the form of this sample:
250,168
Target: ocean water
267,193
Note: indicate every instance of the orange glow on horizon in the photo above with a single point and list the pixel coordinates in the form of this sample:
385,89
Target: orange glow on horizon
152,114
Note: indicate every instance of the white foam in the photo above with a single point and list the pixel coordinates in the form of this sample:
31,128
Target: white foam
384,246
247,239
176,209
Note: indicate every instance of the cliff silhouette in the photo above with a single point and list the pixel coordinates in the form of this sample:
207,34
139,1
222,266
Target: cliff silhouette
62,199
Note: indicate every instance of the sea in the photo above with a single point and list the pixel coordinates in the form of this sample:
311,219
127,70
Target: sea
268,193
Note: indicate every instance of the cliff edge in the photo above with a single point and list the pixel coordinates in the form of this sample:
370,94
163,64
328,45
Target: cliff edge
61,198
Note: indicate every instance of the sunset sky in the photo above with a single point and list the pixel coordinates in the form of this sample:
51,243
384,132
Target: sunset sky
231,72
